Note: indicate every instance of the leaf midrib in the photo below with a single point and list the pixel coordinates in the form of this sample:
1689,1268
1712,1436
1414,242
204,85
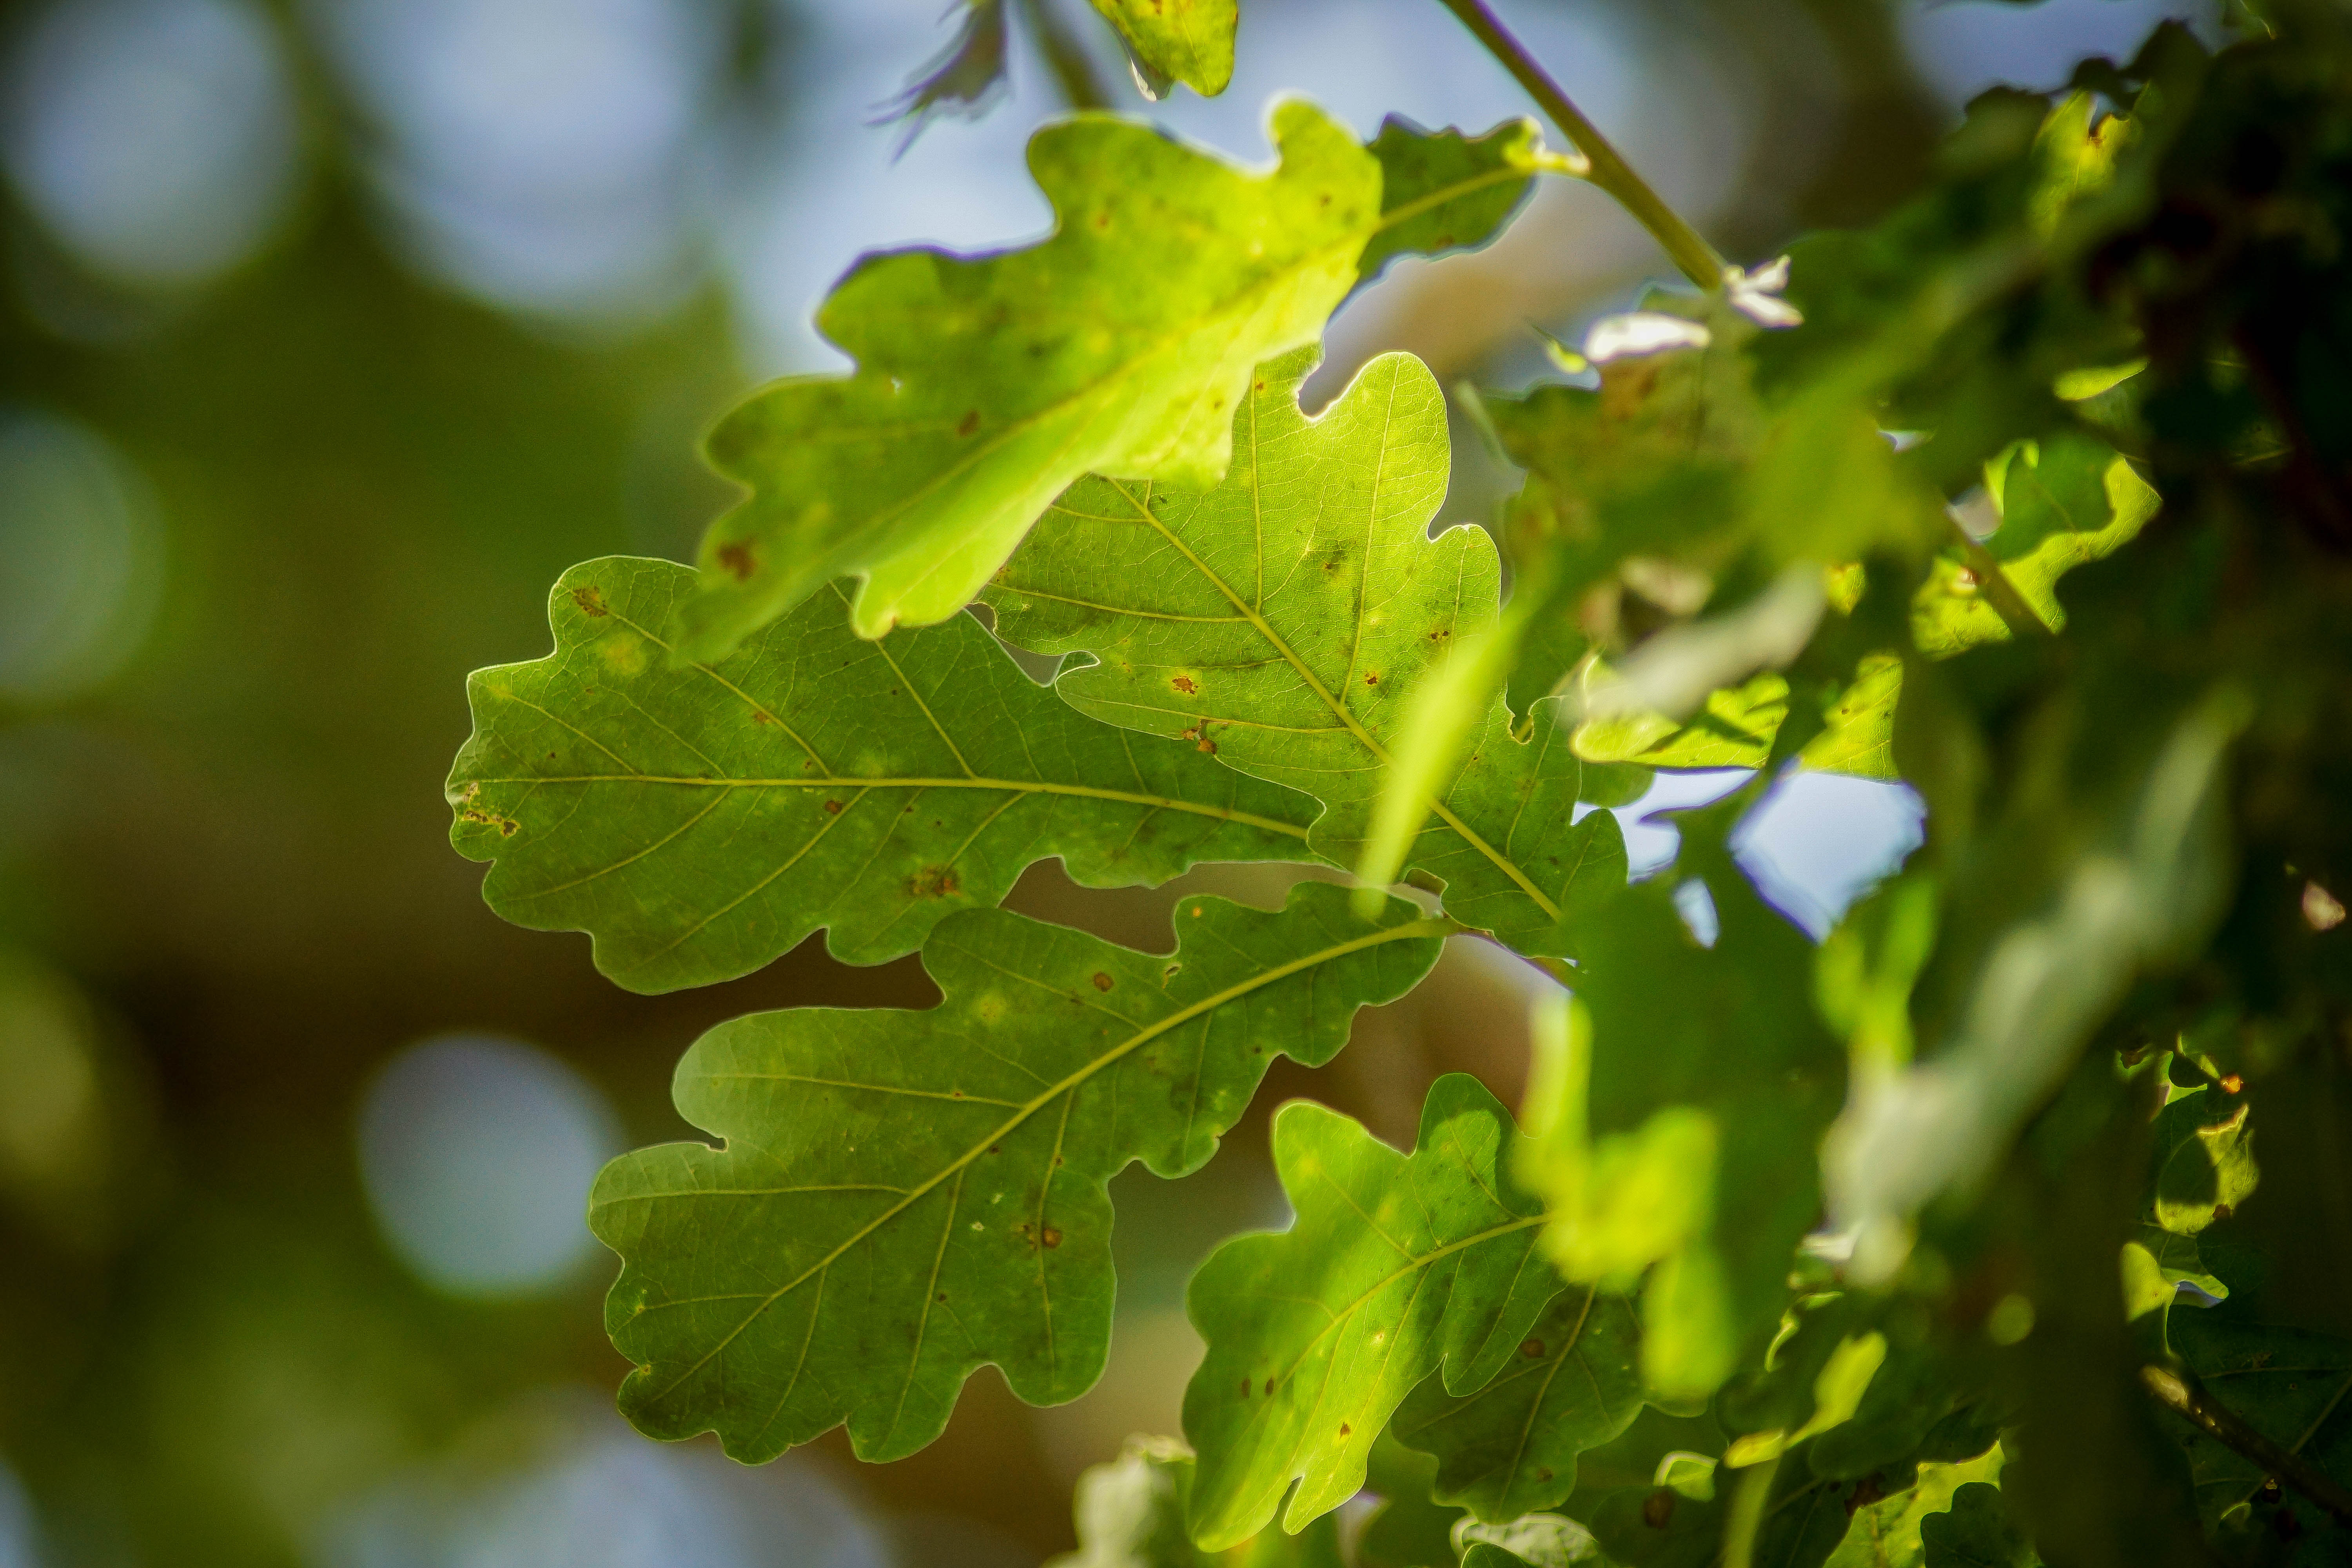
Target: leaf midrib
1364,738
1087,792
1434,926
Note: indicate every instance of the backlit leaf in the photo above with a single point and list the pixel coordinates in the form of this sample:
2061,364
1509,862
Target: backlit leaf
2062,504
699,819
1510,1447
1398,1266
905,1196
1287,617
1121,344
1191,41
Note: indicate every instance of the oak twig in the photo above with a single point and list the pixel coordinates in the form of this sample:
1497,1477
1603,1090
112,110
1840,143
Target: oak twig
1699,261
2225,1427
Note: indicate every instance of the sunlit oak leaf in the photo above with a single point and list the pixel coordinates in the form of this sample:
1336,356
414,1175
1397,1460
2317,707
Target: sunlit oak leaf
2205,1166
1284,620
1120,345
2062,503
1442,190
1735,725
1509,1447
1397,1267
699,819
1885,1534
902,1197
1191,41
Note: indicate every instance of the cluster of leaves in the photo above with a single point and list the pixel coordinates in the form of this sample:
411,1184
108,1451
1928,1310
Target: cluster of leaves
1920,1246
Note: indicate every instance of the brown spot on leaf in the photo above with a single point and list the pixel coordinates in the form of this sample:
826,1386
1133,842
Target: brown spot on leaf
591,602
969,423
1053,1236
1102,981
1269,1386
1533,1349
2221,1211
1185,684
2232,1084
1657,1509
933,883
1441,634
1245,1388
833,808
1371,677
737,557
1345,1428
507,826
1544,1474
944,1296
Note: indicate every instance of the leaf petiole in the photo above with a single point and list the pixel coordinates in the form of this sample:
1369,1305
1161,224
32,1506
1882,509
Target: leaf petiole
1698,260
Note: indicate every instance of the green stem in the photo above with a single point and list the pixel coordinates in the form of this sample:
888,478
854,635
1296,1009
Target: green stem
1697,258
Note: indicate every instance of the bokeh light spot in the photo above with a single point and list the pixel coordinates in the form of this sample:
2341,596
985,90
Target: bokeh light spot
154,138
478,1154
81,558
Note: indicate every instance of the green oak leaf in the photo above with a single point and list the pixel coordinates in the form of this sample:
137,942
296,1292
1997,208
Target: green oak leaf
1484,1555
2291,1385
1440,190
1531,1541
1409,1529
1509,1447
1885,1534
1675,1119
1286,618
1735,728
905,1196
1191,41
1397,1266
2205,1160
2063,503
1976,1531
699,819
1686,1520
1130,1514
985,385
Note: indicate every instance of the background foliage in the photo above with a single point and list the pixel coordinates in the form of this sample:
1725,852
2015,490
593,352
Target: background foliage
315,469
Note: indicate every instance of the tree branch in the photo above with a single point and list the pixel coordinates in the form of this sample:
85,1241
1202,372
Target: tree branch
1698,260
2225,1427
